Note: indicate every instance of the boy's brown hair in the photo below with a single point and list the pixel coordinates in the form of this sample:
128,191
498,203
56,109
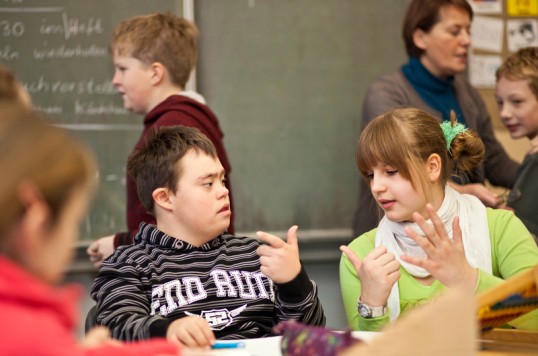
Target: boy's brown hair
156,164
522,65
158,37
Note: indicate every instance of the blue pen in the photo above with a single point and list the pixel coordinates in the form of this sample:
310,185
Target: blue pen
228,345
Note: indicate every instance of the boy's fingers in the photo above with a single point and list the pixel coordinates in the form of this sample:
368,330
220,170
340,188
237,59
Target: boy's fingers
292,235
272,240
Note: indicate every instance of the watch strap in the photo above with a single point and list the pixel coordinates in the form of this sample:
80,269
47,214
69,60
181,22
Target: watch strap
368,311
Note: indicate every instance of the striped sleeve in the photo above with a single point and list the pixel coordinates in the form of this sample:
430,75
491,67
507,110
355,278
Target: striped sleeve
298,300
123,301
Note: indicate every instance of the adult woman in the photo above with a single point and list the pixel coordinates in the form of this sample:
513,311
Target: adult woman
437,39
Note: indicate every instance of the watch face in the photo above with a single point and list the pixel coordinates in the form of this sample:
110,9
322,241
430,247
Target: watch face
364,310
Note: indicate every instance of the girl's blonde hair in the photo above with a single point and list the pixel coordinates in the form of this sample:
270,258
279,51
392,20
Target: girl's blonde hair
36,152
404,139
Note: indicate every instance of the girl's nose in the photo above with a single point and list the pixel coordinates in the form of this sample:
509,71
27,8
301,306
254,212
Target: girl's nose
376,185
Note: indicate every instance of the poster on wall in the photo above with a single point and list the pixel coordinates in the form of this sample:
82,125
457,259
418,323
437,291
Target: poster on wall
521,33
487,33
522,7
486,6
482,70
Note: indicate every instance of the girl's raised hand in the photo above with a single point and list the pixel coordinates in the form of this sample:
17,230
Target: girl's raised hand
445,259
378,272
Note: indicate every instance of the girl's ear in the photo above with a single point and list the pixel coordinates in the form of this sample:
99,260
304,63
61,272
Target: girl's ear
161,197
433,166
35,221
419,38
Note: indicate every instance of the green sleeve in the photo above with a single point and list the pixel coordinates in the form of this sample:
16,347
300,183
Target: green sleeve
513,250
350,286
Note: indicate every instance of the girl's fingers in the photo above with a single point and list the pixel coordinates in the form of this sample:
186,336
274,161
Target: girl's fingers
353,258
440,231
422,241
456,231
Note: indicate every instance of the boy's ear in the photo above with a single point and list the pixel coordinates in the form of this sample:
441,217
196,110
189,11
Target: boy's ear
433,166
159,73
161,197
419,39
35,221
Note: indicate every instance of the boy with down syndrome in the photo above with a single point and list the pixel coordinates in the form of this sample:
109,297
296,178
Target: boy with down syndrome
185,278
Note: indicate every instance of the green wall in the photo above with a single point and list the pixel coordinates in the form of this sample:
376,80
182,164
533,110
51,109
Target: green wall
286,79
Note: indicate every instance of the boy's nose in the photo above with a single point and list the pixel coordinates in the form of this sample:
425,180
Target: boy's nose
115,80
223,192
504,113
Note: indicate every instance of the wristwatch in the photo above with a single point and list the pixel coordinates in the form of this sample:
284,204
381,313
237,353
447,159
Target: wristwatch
368,312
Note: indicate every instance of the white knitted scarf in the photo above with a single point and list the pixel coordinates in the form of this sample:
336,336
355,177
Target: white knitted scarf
475,236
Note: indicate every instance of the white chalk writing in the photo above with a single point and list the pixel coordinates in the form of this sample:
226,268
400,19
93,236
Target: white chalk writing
72,26
6,54
92,51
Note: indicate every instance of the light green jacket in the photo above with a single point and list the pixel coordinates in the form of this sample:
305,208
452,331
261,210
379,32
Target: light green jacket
512,249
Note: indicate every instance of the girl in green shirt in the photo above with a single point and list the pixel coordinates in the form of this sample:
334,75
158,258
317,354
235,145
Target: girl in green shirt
431,237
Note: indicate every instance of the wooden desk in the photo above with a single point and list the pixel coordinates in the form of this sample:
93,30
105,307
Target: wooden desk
507,342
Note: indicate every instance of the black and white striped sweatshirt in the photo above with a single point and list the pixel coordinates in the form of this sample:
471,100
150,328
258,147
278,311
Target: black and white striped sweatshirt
143,287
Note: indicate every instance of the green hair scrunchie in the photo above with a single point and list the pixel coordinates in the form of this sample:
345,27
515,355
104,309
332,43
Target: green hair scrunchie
450,131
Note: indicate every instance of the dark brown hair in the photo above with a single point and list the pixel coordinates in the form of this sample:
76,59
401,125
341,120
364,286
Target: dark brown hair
156,164
423,15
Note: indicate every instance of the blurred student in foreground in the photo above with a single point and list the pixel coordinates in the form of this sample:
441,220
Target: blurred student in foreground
47,180
11,90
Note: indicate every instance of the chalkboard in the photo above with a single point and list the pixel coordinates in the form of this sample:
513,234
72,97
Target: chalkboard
286,79
59,50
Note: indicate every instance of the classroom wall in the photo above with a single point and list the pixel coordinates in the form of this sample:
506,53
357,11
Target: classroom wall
286,79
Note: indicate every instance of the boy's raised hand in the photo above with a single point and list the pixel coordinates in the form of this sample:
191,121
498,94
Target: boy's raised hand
279,259
378,272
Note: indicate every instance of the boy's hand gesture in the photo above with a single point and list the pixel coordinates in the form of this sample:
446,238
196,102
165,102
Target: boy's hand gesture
279,259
